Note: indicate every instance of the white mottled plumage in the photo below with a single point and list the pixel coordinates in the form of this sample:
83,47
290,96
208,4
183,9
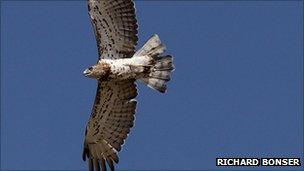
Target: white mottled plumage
113,114
127,68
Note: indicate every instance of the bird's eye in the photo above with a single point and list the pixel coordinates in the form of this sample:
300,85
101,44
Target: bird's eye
90,68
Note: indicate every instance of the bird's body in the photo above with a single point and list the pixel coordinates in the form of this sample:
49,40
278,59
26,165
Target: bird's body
135,67
117,70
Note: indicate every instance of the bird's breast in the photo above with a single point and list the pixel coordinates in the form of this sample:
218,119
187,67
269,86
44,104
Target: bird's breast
120,69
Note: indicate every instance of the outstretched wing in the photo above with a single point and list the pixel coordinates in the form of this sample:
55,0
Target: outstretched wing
115,27
110,122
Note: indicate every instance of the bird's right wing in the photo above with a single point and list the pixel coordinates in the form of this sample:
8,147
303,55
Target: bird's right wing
110,122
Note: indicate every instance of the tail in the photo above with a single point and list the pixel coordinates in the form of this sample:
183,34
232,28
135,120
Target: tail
160,72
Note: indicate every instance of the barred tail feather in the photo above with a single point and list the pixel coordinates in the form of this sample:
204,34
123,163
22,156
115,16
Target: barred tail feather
160,72
152,47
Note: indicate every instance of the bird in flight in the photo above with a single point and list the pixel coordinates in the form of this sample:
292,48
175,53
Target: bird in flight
118,68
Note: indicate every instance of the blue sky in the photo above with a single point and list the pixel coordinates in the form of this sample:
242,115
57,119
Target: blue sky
236,91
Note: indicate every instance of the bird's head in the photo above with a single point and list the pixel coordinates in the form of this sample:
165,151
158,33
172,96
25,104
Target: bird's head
98,71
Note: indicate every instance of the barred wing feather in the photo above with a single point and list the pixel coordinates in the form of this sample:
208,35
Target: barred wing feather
110,122
115,27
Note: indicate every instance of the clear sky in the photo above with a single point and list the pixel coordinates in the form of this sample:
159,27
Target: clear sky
236,91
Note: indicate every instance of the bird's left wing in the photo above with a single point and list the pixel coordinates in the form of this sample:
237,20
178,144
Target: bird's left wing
115,27
110,122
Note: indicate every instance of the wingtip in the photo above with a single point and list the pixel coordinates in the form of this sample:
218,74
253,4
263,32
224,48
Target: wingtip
111,165
84,154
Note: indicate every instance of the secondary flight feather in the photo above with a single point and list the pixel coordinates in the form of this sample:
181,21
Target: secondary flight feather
118,67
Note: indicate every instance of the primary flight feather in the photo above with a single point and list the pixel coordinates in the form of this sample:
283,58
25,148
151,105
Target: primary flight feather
118,67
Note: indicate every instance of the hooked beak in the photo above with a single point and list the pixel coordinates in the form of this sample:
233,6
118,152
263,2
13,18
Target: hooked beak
86,72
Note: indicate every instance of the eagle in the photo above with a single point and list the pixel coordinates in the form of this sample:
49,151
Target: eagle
118,68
